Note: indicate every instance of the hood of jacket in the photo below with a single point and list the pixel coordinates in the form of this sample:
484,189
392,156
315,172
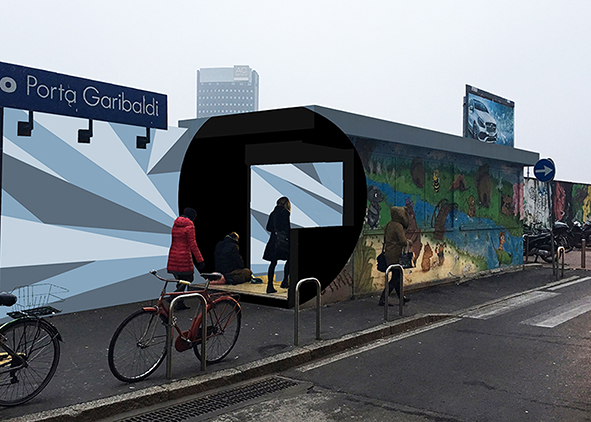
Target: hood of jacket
183,222
399,215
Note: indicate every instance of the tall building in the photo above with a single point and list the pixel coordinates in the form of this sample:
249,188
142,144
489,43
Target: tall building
227,90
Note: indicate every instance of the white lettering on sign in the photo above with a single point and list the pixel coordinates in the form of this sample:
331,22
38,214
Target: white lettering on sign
44,91
93,98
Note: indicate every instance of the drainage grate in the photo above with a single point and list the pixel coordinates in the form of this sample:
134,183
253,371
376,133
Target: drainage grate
214,402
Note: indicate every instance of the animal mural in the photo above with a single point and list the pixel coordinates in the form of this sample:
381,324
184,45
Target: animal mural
417,172
459,183
413,232
442,209
436,181
427,255
484,185
471,206
507,205
463,213
374,196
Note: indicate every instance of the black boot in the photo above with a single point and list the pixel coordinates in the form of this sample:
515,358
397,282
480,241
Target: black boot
382,297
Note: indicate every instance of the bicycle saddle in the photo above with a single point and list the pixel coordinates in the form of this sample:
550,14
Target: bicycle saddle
211,276
7,299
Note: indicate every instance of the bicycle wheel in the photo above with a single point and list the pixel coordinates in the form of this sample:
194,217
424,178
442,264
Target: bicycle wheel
36,343
138,346
223,328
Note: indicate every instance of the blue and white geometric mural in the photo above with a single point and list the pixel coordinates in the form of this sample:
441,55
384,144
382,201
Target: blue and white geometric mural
94,218
89,218
315,191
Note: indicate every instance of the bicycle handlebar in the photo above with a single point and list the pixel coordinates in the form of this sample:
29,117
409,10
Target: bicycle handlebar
207,276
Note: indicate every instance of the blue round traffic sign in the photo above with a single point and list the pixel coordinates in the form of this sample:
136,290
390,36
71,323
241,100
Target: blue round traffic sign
545,170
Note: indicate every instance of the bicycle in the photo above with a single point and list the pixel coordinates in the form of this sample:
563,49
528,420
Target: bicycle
29,345
139,344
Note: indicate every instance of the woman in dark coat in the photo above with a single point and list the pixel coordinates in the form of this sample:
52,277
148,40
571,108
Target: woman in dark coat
229,262
278,246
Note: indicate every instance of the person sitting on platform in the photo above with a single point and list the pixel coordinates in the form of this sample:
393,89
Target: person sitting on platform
229,262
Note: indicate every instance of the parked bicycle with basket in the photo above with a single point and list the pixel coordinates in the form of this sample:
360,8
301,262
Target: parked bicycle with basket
139,344
29,344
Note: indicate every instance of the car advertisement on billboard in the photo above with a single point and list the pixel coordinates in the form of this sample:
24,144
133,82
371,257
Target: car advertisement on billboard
488,117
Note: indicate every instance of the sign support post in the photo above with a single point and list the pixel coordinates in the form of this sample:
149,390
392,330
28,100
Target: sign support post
545,170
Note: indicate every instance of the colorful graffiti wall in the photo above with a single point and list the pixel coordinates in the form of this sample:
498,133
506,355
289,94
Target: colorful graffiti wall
570,202
464,212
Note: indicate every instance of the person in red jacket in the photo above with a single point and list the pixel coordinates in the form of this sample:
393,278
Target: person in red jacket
183,249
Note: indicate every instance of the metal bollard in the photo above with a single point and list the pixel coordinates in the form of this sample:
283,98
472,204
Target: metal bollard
297,309
170,335
560,253
387,293
583,253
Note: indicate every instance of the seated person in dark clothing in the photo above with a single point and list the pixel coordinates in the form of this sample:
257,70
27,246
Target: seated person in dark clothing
229,262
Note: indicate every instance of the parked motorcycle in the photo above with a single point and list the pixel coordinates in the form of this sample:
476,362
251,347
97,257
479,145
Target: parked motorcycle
579,232
564,236
540,245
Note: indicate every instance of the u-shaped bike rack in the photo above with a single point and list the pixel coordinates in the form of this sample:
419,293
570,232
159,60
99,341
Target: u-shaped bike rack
387,292
170,333
560,253
297,308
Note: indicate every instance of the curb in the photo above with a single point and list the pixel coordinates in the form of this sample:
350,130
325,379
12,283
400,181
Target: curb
112,406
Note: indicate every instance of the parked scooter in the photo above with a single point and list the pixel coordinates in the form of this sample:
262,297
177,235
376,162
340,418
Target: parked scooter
579,232
540,245
564,236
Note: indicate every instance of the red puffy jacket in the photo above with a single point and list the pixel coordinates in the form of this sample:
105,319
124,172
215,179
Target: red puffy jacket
183,245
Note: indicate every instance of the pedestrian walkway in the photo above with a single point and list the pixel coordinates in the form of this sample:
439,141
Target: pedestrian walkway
84,389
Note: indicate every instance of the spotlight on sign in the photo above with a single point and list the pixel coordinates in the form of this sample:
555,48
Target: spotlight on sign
25,128
84,135
142,141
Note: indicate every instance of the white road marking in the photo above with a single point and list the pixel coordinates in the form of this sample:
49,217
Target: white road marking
561,314
560,286
374,345
508,305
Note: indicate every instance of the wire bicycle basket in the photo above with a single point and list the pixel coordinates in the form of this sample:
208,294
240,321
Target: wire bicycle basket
34,300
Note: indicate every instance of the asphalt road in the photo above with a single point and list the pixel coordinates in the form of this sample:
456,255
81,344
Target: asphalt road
83,375
523,359
520,361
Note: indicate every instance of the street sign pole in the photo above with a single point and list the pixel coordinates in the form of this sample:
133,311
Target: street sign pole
545,170
551,221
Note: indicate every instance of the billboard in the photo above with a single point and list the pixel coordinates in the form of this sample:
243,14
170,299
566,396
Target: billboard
488,117
55,93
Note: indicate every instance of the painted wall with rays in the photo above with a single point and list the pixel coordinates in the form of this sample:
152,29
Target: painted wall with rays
315,191
94,218
88,218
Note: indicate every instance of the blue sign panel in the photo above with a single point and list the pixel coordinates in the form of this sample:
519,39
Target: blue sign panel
545,170
39,90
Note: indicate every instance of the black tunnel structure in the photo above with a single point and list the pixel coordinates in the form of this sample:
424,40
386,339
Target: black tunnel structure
215,181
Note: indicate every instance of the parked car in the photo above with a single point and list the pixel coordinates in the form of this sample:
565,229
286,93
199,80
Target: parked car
482,125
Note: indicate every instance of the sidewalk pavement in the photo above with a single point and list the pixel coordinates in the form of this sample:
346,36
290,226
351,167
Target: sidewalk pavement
575,259
84,389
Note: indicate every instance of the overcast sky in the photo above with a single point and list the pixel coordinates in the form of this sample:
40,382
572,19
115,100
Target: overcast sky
404,61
